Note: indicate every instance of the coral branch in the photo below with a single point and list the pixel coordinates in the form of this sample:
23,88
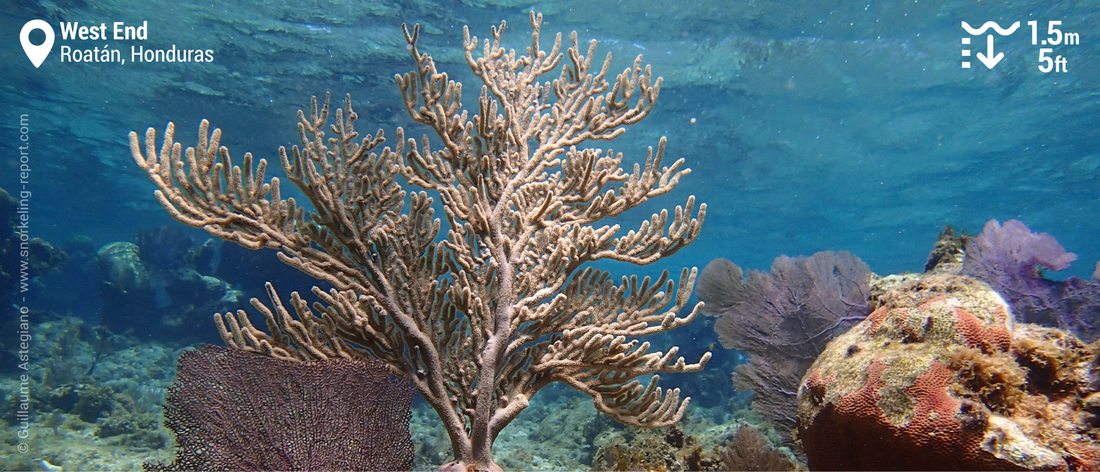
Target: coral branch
488,305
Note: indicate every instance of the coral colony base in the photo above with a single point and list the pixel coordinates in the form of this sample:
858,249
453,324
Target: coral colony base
940,375
939,370
505,303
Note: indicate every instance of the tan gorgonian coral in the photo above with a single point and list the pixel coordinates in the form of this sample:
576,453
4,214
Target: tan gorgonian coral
507,301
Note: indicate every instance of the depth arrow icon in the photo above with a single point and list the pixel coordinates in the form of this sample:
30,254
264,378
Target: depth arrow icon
989,59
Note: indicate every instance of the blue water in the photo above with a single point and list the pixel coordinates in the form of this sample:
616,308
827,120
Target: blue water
808,126
851,127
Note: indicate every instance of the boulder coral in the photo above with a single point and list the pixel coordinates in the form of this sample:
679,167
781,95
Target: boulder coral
939,377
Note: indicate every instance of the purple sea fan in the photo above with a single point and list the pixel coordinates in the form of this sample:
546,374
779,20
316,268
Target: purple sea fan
783,319
1012,259
1012,251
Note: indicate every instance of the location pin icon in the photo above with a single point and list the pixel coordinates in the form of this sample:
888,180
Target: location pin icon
36,52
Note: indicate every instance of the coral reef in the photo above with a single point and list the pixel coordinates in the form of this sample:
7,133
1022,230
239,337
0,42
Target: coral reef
1012,259
949,252
88,402
665,449
699,445
573,425
167,247
165,272
96,399
505,302
940,377
749,450
556,432
128,295
22,258
783,320
235,410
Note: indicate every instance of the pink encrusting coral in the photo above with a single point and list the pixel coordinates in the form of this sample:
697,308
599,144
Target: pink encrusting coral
938,377
920,442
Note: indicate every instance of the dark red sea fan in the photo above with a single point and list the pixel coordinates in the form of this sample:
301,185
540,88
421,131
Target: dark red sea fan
235,410
783,319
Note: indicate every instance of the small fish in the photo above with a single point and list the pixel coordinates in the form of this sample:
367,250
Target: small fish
46,465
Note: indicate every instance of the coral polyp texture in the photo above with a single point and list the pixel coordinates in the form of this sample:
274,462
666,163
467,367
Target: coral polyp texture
940,377
487,305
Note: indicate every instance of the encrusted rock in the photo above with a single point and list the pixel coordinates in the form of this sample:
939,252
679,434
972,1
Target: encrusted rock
938,377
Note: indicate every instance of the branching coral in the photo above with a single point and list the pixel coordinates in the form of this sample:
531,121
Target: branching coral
504,302
748,449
